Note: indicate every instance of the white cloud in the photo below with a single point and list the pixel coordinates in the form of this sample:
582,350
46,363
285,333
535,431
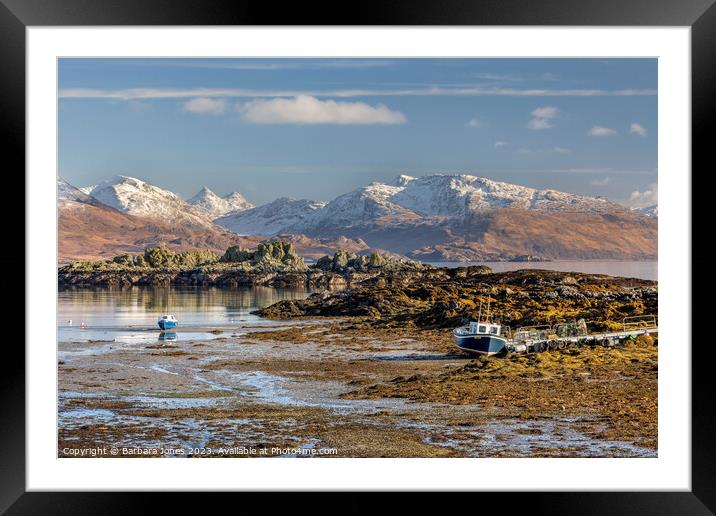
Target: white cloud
474,123
561,150
205,106
542,118
428,91
601,182
635,128
500,144
648,197
254,64
497,77
600,131
309,110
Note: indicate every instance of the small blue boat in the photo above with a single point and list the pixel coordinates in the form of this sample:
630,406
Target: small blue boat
167,322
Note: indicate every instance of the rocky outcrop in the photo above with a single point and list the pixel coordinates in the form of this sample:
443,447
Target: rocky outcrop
445,298
275,256
345,262
273,264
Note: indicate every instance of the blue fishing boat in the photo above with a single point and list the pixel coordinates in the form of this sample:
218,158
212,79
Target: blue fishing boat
482,336
167,322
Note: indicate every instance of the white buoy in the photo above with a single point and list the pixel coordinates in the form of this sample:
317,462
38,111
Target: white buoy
70,321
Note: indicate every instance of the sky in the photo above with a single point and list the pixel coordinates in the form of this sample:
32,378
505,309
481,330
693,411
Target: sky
317,128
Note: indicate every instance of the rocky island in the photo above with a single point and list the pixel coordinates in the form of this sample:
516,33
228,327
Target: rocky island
274,264
450,297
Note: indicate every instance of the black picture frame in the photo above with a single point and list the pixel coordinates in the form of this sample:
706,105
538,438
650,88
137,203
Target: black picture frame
16,15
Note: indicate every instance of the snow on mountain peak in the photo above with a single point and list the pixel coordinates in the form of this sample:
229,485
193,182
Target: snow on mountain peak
458,195
359,207
238,201
214,206
649,211
436,198
451,196
402,180
67,192
270,219
137,197
134,196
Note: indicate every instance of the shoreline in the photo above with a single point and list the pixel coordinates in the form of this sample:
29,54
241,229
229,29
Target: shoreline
358,390
371,370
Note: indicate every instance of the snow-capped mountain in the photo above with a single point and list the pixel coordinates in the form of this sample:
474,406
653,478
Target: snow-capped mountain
91,229
460,195
68,193
442,197
460,216
271,218
214,206
649,211
137,197
361,207
238,201
438,217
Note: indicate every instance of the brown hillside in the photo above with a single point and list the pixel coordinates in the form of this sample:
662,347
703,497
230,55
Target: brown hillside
87,231
94,231
568,235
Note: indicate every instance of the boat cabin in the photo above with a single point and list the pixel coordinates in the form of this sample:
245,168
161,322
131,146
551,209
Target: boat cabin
484,328
167,322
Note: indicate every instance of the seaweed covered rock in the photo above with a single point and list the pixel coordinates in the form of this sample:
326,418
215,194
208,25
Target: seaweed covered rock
279,253
444,299
272,263
236,254
343,261
269,256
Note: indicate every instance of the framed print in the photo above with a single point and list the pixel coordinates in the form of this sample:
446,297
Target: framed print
426,251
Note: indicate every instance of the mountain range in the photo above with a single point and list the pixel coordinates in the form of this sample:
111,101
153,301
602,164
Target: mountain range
91,229
436,217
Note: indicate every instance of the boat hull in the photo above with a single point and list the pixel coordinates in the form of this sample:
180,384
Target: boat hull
167,325
480,344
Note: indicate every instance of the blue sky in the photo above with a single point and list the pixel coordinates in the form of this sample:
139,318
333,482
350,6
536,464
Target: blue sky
316,128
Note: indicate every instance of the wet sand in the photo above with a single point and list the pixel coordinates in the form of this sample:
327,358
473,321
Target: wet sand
340,388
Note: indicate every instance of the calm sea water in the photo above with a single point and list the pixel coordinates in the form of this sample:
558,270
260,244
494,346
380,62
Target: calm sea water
126,315
641,270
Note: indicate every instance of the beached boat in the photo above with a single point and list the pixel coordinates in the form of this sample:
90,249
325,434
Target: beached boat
480,337
167,322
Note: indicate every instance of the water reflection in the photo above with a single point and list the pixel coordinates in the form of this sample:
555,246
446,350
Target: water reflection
104,311
165,298
167,336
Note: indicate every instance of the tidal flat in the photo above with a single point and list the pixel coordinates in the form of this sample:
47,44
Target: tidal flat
340,387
